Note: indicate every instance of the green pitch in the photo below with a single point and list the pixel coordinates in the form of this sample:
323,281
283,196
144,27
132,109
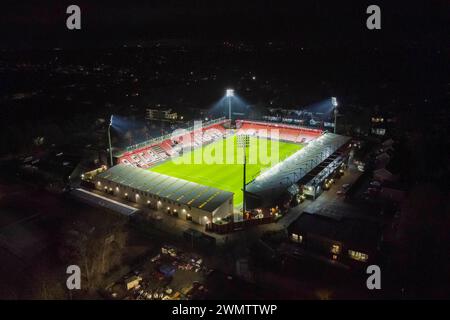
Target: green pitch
219,164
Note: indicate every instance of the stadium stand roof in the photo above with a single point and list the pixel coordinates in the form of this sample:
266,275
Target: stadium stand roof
178,190
274,181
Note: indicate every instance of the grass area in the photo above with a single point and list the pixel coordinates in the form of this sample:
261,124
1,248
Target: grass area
219,164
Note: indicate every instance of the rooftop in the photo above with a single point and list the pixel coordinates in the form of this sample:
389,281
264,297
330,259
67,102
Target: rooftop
359,233
277,179
178,190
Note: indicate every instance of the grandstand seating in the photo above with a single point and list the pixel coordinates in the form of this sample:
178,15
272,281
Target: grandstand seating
150,155
285,132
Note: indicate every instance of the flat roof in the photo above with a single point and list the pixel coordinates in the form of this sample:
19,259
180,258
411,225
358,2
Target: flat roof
101,201
276,180
175,189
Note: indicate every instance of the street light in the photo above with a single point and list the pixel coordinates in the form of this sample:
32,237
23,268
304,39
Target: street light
335,105
229,93
109,140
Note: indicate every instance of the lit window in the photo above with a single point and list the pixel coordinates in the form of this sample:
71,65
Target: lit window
336,249
297,238
358,256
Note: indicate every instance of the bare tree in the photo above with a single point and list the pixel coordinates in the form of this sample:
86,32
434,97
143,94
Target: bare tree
94,242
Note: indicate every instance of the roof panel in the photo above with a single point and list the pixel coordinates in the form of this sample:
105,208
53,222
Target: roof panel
284,174
182,191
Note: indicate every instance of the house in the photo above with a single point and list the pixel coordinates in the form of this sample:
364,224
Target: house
384,175
350,240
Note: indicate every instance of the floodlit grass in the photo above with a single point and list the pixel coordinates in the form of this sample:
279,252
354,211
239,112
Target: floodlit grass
219,164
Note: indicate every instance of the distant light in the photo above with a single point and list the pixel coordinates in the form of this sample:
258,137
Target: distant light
253,78
110,121
230,93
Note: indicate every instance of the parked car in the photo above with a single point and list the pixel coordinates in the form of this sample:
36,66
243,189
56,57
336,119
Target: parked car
372,191
375,184
155,258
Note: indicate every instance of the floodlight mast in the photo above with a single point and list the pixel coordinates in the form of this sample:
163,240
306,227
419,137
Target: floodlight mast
243,142
109,140
229,93
335,105
243,188
229,108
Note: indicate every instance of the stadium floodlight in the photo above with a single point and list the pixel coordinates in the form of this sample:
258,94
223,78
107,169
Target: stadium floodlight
109,140
229,93
335,105
334,101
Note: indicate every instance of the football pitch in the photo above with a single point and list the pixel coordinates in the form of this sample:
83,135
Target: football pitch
219,164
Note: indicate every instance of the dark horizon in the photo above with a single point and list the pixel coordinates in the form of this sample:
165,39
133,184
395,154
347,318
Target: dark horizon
321,24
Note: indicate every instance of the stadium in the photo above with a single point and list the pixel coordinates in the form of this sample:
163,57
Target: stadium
197,174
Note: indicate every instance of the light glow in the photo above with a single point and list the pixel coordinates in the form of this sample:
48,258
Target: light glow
334,101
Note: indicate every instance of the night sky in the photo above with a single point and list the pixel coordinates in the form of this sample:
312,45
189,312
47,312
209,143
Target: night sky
325,24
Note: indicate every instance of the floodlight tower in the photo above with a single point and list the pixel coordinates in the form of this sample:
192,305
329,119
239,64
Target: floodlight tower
243,142
335,105
229,94
109,140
